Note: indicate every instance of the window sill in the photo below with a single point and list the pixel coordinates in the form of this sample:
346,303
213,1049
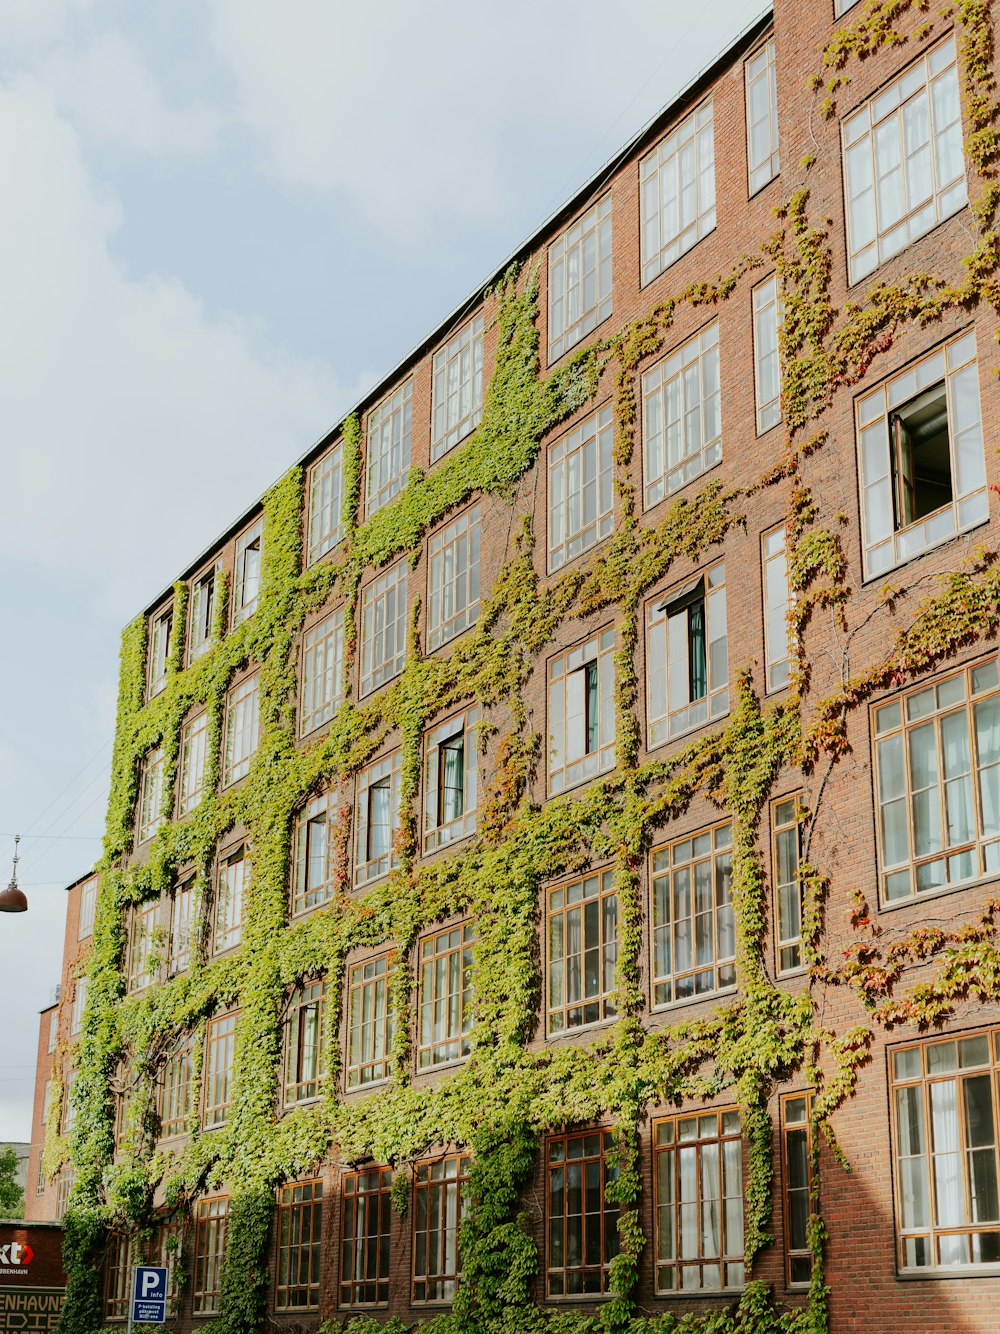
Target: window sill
868,580
441,1065
579,1297
695,1000
372,1084
752,194
564,1033
929,895
956,1271
686,1294
689,731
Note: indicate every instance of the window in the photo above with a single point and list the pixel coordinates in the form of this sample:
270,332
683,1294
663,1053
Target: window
582,712
370,1022
582,1224
944,1105
366,1211
53,1032
175,1089
786,829
313,875
151,795
209,1250
117,1275
383,628
920,437
777,596
300,1241
796,1147
445,1015
242,729
140,950
694,932
766,353
458,388
303,1050
762,117
438,1207
377,819
69,1103
580,279
842,6
247,580
904,168
229,890
322,670
64,1185
326,504
698,1202
681,417
677,187
194,753
451,774
937,763
583,951
165,1250
202,615
88,905
182,928
46,1099
453,579
41,1181
79,1005
159,651
219,1040
687,670
581,487
388,449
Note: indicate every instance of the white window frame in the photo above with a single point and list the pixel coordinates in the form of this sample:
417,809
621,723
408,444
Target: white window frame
79,1004
688,379
767,318
247,580
183,918
453,578
761,75
229,905
193,763
387,770
202,611
670,710
322,671
570,721
242,728
457,388
437,830
383,627
151,794
160,643
667,232
581,488
388,450
326,504
307,892
777,596
88,908
580,278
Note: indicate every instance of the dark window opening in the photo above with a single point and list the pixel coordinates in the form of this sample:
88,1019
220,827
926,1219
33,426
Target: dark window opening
921,457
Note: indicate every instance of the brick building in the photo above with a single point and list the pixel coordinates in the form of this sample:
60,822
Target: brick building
499,852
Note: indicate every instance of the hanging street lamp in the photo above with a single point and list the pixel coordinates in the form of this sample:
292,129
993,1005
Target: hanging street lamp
12,899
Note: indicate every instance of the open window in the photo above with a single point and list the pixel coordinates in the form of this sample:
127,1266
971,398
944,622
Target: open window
451,781
688,668
921,457
581,712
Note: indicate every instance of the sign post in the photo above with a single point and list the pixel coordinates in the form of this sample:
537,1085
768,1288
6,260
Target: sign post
148,1301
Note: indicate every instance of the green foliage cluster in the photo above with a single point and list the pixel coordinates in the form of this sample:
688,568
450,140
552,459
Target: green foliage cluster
11,1194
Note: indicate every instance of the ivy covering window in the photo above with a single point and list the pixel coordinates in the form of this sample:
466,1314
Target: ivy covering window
377,819
182,927
445,1003
201,613
159,650
451,781
457,388
453,578
796,1145
580,279
383,627
370,1024
140,951
438,1207
777,632
175,1089
694,931
242,729
945,1109
79,1004
762,117
322,670
313,873
582,951
209,1253
227,926
300,1246
582,712
388,461
687,656
151,795
246,586
88,905
681,417
786,831
582,1225
937,762
326,503
766,354
581,488
303,1051
366,1213
920,438
904,168
677,192
117,1276
194,755
698,1202
220,1037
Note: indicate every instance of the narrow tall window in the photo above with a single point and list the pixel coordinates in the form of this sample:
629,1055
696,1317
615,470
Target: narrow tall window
451,780
445,1010
766,353
581,488
165,1249
582,712
227,925
777,632
248,565
366,1214
300,1242
796,1147
303,1050
326,504
220,1037
322,670
681,416
88,906
69,1103
453,579
785,834
677,189
920,437
388,461
694,931
582,951
370,1024
79,1005
698,1202
762,117
175,1089
182,924
201,615
582,1224
904,167
209,1252
377,819
383,628
53,1034
580,279
151,795
438,1206
194,754
687,671
140,949
117,1276
242,729
313,873
944,1110
64,1186
937,764
159,650
457,388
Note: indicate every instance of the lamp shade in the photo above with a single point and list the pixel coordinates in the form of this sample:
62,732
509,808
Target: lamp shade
12,899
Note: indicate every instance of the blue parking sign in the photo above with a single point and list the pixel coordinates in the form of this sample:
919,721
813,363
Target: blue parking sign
149,1295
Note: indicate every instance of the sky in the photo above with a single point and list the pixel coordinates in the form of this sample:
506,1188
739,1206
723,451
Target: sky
221,222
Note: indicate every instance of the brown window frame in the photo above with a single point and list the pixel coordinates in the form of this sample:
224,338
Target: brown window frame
455,1171
798,1259
301,1001
211,1227
361,1069
373,1187
214,1114
787,948
305,895
117,1271
589,1278
583,1011
300,1209
175,1089
435,1052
